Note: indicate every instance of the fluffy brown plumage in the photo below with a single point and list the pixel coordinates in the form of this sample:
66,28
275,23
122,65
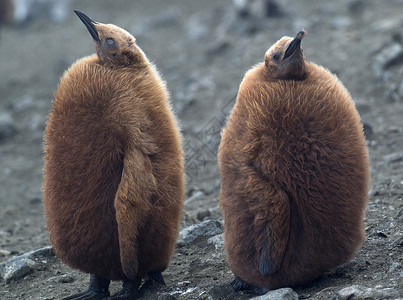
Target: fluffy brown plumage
294,173
114,173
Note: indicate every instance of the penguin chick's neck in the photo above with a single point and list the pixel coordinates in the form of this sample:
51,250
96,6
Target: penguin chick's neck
284,60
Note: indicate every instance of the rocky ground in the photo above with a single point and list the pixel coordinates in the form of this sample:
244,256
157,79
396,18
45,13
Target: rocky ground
203,49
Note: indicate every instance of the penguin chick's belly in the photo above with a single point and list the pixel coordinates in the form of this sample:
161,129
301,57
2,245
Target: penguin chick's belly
83,168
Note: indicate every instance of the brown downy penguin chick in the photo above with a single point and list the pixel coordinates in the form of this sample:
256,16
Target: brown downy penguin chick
294,173
114,172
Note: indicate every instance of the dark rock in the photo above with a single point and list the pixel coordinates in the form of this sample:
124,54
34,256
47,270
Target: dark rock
357,6
381,234
393,157
191,233
224,291
203,214
66,278
389,56
7,127
273,9
35,200
368,131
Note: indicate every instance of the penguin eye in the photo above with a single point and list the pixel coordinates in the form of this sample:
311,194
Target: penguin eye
276,57
110,41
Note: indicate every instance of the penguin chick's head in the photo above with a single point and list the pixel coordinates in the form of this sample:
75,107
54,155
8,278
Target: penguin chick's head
284,60
114,45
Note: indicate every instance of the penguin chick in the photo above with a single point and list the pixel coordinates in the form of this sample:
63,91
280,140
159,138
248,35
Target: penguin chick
114,172
294,173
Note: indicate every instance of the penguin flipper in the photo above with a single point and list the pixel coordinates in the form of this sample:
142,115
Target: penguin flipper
132,206
275,235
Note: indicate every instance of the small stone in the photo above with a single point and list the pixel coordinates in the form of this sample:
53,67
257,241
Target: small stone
217,241
7,127
358,292
397,242
381,234
221,292
22,104
399,214
203,214
44,252
394,157
340,22
35,200
191,233
357,6
279,294
389,56
394,267
195,196
368,131
4,252
21,266
16,268
66,278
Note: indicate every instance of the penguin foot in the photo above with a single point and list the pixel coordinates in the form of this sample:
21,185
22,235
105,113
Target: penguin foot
156,276
98,289
129,290
239,285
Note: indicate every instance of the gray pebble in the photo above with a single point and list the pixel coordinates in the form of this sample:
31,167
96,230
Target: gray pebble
207,228
22,104
388,56
217,241
201,216
7,127
362,292
394,267
196,196
21,266
16,268
66,278
393,157
279,294
45,252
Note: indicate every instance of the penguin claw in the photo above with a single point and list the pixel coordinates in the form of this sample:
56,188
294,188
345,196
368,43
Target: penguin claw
129,290
98,289
156,276
123,295
88,294
239,285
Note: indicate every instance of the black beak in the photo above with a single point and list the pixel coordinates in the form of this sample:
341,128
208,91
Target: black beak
295,44
89,24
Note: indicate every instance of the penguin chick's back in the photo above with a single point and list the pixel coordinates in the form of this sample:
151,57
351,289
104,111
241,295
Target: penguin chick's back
292,160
